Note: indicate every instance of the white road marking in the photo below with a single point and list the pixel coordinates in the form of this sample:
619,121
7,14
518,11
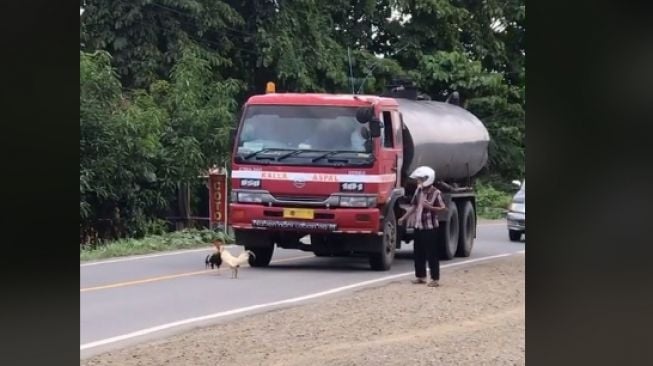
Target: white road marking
293,300
184,251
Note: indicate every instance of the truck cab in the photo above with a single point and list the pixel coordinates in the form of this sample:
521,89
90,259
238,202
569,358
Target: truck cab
323,165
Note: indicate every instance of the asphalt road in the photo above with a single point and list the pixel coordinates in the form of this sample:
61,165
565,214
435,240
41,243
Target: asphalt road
129,300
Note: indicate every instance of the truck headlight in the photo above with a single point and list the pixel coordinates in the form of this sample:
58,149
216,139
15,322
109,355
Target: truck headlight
518,207
253,197
358,201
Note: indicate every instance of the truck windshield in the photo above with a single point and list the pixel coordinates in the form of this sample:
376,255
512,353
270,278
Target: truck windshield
302,128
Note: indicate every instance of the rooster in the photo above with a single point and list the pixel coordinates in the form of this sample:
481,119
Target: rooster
234,262
214,260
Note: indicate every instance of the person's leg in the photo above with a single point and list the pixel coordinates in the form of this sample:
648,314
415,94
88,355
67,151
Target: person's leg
419,255
432,255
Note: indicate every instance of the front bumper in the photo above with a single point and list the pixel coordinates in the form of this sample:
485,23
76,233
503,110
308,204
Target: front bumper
516,221
336,220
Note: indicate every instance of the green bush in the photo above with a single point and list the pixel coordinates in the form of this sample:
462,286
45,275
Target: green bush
491,203
183,239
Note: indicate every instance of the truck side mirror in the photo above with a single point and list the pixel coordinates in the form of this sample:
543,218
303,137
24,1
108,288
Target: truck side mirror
375,128
364,114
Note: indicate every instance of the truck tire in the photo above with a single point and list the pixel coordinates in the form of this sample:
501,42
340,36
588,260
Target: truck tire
382,261
448,234
319,245
467,221
259,243
514,235
263,256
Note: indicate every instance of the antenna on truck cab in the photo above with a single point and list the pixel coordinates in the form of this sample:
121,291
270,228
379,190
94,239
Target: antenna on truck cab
351,72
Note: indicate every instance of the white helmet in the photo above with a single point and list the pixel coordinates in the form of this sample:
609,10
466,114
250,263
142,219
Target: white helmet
426,173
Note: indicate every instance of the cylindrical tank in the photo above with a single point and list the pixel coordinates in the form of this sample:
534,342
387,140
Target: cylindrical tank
443,136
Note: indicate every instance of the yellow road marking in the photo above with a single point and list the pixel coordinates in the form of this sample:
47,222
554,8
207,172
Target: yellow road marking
173,276
145,280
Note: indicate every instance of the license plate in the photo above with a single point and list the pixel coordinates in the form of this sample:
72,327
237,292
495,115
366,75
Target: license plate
298,213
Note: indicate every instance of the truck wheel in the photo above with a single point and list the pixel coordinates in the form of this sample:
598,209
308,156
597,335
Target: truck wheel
382,261
514,235
259,243
319,245
448,234
263,256
467,229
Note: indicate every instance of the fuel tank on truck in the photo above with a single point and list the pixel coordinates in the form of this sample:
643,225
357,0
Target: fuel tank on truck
443,136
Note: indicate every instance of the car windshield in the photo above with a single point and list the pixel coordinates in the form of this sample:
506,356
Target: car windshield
310,128
520,196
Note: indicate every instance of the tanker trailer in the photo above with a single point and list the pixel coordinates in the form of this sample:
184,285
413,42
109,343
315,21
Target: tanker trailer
453,142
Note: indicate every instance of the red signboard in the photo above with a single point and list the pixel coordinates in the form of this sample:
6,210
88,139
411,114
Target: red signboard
218,204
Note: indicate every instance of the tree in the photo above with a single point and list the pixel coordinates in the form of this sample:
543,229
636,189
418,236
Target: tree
489,96
137,147
146,37
476,48
119,145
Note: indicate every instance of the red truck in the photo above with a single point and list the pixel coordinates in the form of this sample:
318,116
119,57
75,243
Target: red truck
334,168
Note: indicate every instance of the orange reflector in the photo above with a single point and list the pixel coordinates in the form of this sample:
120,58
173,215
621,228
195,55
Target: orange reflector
270,87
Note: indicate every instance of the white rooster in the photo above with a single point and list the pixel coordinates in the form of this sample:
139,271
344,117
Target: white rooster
234,262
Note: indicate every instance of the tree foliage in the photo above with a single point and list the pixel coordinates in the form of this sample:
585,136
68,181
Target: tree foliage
136,147
147,37
161,81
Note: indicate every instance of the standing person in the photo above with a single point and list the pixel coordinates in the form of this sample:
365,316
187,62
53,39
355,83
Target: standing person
423,217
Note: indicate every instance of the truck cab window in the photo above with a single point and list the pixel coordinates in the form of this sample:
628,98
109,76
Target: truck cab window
305,128
388,136
399,125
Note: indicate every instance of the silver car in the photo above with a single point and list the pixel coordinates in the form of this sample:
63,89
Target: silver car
517,212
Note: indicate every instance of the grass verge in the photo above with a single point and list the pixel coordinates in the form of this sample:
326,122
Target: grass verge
491,203
183,239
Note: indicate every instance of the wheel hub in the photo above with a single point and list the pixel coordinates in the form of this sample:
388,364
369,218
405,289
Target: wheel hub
389,237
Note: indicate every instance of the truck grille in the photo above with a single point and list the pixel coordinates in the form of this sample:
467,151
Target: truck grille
314,199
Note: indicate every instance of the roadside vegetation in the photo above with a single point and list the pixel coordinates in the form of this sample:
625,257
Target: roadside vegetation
492,202
177,240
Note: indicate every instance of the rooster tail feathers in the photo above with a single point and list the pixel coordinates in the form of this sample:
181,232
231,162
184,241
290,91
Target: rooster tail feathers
251,254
